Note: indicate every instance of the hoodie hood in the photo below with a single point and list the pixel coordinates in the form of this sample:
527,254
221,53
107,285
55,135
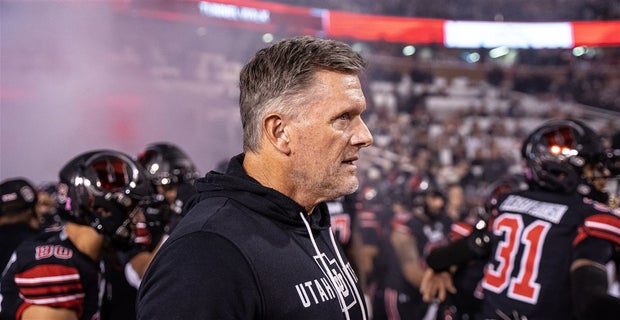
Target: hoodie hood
260,199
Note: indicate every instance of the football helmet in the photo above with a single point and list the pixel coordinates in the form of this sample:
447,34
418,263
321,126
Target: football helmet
505,184
16,196
167,164
556,153
103,190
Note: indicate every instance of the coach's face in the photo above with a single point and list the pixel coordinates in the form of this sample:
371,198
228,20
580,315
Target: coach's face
327,137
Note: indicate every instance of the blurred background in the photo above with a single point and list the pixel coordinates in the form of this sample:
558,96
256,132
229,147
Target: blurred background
452,87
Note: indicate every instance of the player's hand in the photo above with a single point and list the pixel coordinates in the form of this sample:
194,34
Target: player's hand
436,285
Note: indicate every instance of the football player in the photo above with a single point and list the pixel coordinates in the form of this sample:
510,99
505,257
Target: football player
58,275
546,246
171,172
18,222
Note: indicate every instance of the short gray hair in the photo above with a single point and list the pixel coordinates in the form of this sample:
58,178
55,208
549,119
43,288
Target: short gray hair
275,79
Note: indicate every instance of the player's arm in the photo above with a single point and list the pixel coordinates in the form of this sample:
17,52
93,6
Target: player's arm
589,290
139,262
594,246
43,296
474,246
137,265
36,312
437,279
405,246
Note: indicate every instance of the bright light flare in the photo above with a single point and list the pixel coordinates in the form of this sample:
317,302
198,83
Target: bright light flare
154,168
566,151
408,50
268,37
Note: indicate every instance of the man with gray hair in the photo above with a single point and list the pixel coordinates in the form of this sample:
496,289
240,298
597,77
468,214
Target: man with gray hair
256,242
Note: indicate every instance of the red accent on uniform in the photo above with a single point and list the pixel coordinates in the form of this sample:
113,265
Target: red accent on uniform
51,285
600,226
459,230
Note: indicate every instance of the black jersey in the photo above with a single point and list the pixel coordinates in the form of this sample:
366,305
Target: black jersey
535,235
465,303
119,297
50,271
11,235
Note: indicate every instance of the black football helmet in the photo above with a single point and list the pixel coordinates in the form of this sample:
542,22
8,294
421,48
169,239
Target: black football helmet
556,152
166,164
108,180
16,196
505,184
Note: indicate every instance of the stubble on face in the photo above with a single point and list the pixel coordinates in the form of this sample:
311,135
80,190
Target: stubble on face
323,145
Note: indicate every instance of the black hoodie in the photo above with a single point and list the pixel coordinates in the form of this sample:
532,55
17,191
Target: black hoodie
244,251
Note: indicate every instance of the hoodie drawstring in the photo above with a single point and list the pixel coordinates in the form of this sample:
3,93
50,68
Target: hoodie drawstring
342,266
348,273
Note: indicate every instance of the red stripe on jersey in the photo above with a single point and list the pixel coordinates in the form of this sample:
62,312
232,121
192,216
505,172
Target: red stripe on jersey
611,220
581,235
52,285
460,230
37,290
602,235
604,226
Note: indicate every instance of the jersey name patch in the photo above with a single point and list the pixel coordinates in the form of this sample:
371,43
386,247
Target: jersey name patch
551,212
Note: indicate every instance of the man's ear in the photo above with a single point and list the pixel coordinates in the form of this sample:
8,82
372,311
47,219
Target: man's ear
275,132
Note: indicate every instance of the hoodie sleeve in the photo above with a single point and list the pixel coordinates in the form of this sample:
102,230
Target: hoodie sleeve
199,276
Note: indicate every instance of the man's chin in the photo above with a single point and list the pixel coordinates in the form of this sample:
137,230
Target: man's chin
351,186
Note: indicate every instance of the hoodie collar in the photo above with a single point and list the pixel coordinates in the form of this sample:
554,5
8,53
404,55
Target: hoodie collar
236,184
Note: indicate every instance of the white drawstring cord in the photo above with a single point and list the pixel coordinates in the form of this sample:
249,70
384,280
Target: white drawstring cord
347,272
325,266
342,266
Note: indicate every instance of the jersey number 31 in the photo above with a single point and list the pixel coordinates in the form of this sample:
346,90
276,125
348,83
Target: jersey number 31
530,238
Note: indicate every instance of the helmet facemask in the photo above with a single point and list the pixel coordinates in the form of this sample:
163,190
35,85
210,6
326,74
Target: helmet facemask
105,190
